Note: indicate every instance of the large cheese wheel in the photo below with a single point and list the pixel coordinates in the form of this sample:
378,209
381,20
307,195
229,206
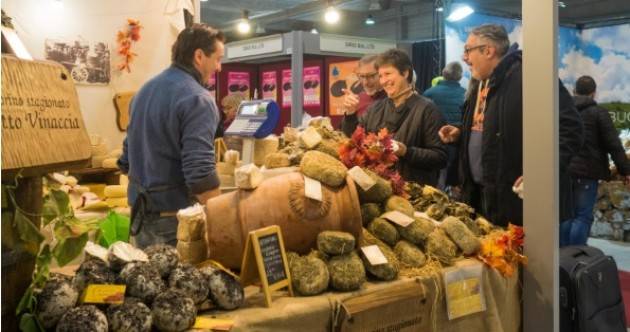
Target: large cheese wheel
115,191
117,202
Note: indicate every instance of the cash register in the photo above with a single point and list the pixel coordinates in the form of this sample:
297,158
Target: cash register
255,118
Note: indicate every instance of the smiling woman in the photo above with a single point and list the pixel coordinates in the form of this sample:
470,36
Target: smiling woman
413,120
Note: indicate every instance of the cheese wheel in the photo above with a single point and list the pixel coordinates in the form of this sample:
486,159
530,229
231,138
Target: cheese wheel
115,191
117,202
97,160
110,163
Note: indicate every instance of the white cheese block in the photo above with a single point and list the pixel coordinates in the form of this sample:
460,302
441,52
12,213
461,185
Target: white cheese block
248,177
310,137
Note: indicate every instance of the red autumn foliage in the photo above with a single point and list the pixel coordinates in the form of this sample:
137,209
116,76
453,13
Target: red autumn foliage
374,152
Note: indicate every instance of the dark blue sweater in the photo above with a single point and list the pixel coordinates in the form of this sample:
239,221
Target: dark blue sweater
449,98
170,140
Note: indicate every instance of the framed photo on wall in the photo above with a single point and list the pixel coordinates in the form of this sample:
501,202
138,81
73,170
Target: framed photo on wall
88,63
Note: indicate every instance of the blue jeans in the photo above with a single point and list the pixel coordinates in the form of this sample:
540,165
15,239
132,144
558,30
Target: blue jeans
575,231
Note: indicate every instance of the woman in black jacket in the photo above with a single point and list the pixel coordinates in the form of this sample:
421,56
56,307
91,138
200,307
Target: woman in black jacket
591,164
414,120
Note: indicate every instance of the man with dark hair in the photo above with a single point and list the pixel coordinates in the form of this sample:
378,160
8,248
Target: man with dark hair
491,143
448,95
412,119
591,163
372,90
169,149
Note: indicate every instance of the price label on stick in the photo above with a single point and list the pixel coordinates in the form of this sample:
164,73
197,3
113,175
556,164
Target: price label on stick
398,217
313,189
361,178
374,255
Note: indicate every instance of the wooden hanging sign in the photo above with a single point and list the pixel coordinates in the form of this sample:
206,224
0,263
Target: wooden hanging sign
122,101
42,126
266,261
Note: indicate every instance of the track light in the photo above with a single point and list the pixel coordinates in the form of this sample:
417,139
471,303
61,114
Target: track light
459,13
243,26
370,20
331,16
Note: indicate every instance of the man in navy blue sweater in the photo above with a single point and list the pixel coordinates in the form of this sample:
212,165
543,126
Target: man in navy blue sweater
169,150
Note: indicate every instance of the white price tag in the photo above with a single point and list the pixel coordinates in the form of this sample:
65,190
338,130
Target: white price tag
398,217
361,178
313,189
374,255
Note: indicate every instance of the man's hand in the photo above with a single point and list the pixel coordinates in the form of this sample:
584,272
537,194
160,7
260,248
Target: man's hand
350,102
205,196
401,150
517,188
449,134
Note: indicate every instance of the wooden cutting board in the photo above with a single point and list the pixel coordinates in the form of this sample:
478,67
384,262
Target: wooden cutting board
121,102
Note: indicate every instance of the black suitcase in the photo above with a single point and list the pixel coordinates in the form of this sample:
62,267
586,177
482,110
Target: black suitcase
590,296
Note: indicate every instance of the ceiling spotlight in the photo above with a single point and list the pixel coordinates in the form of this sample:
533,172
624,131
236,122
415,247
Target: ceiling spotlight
204,0
314,31
331,16
370,20
459,13
438,9
562,4
243,25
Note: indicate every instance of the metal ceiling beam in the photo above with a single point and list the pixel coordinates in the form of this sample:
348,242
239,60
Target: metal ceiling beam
296,12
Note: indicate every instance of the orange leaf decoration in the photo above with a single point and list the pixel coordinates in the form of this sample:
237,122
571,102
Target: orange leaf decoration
125,39
502,250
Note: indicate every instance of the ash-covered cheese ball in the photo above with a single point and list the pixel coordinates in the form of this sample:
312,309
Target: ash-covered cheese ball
225,291
143,281
93,272
163,257
173,311
190,281
131,316
56,298
86,318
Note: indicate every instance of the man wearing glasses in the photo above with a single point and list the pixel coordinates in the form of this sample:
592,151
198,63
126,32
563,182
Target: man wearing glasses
372,90
491,134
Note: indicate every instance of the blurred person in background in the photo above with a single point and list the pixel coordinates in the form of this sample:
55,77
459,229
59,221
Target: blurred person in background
591,164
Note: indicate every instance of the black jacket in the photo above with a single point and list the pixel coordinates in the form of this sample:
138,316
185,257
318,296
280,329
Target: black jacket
418,130
502,150
600,139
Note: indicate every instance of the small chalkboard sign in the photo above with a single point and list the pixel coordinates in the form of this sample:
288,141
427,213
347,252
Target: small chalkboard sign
264,259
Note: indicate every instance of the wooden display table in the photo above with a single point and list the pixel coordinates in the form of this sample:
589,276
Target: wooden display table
382,302
406,304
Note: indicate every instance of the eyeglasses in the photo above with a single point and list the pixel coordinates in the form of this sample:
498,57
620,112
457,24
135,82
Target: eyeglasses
367,76
470,49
